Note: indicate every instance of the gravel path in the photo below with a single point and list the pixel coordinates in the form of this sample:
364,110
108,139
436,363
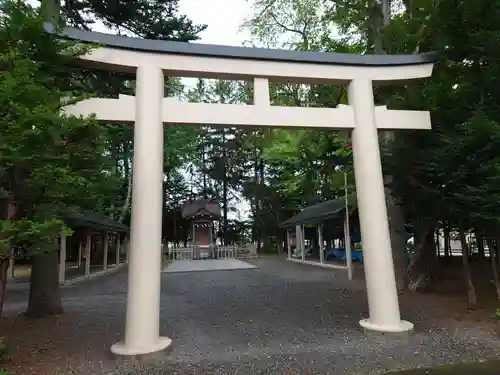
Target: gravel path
280,318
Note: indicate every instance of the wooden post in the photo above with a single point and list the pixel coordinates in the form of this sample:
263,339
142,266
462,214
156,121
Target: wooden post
11,270
88,244
347,232
118,245
211,237
163,253
289,243
303,241
321,244
62,259
127,248
106,248
79,261
348,251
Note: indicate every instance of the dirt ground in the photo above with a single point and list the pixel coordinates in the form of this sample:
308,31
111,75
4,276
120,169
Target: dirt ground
484,368
281,318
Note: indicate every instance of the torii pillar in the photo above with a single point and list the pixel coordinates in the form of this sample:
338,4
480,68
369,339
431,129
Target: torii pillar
377,251
142,325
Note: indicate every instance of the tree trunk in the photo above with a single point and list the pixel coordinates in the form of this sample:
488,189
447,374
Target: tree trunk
205,169
398,239
438,246
471,291
44,298
255,226
480,245
260,204
279,244
175,241
126,204
225,188
423,268
284,238
380,19
447,249
4,266
494,265
51,11
7,212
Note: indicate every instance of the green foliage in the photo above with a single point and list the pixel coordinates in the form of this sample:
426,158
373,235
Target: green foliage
449,174
303,162
4,351
5,239
146,19
50,163
452,171
38,236
180,146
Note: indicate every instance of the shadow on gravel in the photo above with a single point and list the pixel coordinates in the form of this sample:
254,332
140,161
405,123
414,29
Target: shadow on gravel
483,368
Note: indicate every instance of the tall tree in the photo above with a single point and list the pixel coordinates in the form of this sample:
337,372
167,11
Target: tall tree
50,163
157,19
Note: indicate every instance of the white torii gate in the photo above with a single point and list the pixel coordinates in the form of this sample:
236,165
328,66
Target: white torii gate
149,111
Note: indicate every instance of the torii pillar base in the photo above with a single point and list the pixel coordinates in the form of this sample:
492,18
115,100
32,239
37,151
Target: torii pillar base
161,347
401,331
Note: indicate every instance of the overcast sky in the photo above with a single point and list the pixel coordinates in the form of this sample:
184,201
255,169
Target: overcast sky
223,17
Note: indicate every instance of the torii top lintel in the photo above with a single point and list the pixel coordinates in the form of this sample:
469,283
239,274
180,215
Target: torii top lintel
120,53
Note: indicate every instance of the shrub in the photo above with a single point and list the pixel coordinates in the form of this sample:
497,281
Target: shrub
4,352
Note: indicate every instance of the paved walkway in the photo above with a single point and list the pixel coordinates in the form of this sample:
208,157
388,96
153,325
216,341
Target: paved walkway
207,265
280,319
21,283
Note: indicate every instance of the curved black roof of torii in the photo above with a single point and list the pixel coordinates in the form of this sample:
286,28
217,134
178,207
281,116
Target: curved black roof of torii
250,53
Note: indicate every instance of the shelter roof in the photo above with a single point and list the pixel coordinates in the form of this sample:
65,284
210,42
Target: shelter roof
94,220
320,212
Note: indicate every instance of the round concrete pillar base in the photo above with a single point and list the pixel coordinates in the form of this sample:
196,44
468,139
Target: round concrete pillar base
121,349
402,329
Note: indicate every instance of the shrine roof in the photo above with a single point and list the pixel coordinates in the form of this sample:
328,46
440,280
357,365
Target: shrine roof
200,206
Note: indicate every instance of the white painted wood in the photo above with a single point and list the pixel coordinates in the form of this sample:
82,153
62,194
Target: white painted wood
122,110
321,244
